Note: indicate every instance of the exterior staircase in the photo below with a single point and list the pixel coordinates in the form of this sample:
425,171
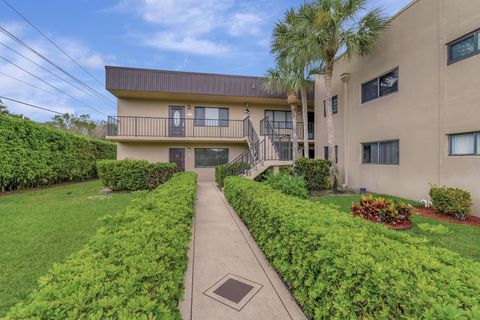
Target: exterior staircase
272,150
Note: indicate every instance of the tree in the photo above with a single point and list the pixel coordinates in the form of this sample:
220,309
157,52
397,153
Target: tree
283,79
288,47
3,108
332,27
81,125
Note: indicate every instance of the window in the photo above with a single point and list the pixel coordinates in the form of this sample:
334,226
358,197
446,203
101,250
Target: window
207,158
464,144
381,86
281,119
334,106
325,153
211,117
464,47
381,152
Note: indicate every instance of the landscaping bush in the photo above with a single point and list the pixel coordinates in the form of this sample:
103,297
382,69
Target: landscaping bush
226,170
32,155
339,267
316,172
451,201
287,184
382,210
134,174
132,268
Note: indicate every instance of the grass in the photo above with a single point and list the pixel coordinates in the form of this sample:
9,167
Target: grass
459,238
41,227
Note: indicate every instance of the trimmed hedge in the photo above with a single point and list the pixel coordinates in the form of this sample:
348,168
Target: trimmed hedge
134,174
451,201
32,155
339,267
316,172
132,268
288,184
225,170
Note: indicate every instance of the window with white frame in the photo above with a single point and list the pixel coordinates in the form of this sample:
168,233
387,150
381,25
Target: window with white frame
464,144
381,152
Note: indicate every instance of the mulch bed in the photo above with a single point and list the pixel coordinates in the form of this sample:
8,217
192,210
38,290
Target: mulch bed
431,213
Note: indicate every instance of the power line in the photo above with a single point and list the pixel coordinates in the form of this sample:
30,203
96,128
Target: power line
51,85
50,72
53,43
29,84
21,42
30,105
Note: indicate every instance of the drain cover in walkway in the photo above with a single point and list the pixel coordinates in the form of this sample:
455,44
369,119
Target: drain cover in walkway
233,291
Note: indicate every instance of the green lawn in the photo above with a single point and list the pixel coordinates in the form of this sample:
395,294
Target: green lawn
41,227
459,238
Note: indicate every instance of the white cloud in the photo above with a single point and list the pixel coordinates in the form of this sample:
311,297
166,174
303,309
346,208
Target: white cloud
245,23
188,26
186,44
48,96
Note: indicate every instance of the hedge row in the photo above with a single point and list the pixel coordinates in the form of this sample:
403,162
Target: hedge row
340,267
132,268
225,170
316,172
32,154
134,174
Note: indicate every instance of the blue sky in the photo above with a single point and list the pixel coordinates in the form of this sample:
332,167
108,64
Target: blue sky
219,36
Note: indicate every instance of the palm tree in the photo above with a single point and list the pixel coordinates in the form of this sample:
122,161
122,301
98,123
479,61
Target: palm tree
283,79
332,27
289,50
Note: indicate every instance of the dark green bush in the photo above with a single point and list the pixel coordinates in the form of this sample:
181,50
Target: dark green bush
132,268
226,170
288,184
134,174
315,171
32,155
339,267
451,201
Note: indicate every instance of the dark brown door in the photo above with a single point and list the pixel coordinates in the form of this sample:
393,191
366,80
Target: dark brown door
176,122
177,156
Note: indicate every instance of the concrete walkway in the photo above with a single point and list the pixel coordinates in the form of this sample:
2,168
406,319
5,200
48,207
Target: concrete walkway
228,276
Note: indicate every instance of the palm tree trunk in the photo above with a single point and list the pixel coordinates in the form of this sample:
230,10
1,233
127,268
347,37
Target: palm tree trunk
330,125
294,132
304,97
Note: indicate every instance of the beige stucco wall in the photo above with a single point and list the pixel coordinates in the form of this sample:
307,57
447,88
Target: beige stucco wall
159,152
434,99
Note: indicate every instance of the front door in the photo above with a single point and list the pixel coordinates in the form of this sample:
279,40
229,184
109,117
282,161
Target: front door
176,122
177,156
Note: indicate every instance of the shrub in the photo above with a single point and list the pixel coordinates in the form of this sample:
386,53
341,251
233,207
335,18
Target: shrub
315,171
287,184
226,170
132,268
382,210
339,267
451,201
134,174
32,155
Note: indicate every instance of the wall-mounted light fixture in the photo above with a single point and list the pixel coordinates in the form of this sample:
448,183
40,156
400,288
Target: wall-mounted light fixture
189,149
189,110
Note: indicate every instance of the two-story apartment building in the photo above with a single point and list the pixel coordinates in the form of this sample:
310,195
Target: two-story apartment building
409,114
198,120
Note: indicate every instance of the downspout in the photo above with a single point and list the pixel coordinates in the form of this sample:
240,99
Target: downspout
345,77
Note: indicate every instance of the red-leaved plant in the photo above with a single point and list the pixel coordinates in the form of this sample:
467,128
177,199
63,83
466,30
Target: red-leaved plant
382,210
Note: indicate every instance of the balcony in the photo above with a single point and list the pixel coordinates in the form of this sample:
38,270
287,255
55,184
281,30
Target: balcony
284,128
168,129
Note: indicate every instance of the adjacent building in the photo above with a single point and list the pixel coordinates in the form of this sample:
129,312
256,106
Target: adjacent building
409,115
200,120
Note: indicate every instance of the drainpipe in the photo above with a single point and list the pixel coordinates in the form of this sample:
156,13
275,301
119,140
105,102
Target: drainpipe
345,77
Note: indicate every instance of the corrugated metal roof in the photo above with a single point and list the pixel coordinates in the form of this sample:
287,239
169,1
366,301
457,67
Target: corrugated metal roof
147,80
